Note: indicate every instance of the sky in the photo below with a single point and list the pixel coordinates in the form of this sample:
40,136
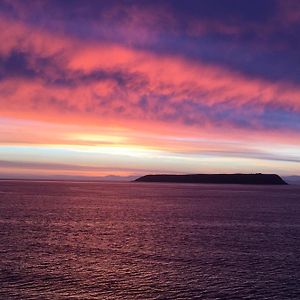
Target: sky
127,88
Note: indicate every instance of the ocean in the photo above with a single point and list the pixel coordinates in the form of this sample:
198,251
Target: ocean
125,240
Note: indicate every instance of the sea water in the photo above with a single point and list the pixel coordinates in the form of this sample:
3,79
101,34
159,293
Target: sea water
89,240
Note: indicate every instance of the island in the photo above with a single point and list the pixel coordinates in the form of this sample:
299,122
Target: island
258,178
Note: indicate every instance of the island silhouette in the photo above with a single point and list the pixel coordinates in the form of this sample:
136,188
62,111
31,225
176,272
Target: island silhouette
258,178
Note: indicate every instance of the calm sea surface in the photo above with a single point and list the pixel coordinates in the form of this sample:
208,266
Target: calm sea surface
72,240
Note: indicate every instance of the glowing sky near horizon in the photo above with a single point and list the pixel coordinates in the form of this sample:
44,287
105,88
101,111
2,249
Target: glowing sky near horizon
95,88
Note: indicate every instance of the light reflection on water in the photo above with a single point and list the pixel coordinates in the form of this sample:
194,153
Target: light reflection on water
71,240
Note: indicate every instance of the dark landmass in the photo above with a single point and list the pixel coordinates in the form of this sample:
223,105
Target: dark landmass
268,179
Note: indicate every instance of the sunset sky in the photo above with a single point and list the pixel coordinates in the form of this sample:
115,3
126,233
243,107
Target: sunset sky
95,88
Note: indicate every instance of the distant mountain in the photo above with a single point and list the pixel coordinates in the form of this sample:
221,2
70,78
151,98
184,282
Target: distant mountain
117,178
261,179
69,178
295,179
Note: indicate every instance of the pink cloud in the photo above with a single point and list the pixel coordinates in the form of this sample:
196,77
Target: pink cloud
169,82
